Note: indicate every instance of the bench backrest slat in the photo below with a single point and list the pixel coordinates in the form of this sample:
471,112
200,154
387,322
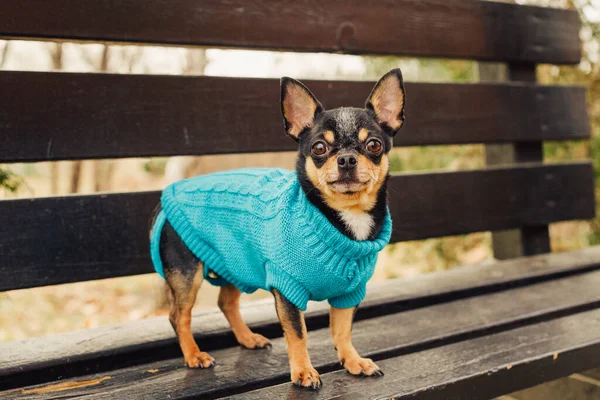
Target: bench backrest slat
59,240
450,28
79,116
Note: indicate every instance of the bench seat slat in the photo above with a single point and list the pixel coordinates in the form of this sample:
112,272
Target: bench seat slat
482,368
58,116
105,348
239,370
440,28
66,239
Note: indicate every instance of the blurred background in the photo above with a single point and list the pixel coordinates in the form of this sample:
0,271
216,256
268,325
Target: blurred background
41,311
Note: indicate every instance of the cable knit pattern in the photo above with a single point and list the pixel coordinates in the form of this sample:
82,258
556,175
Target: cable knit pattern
255,228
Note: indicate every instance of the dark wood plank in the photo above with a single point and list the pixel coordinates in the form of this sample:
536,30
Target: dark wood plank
482,368
75,116
440,28
74,238
100,349
240,370
59,240
453,203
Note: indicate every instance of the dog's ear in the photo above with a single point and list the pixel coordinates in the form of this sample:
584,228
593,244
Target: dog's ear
386,102
299,107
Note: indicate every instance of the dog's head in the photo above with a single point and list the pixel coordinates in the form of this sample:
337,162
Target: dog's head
344,152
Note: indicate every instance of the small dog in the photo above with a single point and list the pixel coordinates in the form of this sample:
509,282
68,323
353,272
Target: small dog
309,234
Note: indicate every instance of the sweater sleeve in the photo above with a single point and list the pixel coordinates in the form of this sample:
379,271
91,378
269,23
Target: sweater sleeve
351,299
290,288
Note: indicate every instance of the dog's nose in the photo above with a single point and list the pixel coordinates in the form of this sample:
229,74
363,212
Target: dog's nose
347,162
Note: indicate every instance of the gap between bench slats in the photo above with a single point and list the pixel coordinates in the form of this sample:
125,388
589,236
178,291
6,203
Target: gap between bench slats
80,116
482,368
77,238
239,370
73,354
442,28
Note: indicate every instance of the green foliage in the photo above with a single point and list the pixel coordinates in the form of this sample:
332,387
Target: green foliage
594,236
566,151
156,166
436,158
9,181
423,69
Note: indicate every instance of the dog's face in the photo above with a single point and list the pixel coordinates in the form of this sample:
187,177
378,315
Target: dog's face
344,152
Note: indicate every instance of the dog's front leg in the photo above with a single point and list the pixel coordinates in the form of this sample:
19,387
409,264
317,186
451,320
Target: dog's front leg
294,330
341,331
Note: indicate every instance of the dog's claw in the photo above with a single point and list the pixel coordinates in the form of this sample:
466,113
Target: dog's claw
375,373
199,360
307,378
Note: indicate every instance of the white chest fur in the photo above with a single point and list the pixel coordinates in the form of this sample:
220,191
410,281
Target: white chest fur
360,223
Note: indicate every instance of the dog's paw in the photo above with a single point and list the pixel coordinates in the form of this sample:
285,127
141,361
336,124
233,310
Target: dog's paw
254,341
361,366
199,359
308,378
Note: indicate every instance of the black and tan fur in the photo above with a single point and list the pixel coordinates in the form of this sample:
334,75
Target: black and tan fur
343,168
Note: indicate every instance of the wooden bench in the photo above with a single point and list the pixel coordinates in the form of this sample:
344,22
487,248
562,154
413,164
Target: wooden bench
472,332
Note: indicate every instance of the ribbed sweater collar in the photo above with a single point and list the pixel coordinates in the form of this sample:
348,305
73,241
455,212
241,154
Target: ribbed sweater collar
316,224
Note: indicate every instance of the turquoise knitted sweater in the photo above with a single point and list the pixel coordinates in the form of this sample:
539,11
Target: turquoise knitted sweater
255,228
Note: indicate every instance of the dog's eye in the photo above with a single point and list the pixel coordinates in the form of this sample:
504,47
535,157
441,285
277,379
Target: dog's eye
319,148
374,146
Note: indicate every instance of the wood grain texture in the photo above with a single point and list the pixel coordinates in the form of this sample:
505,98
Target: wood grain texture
75,238
453,203
441,28
57,116
100,349
239,370
482,368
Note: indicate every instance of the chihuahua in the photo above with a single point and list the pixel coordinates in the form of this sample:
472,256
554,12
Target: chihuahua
338,193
